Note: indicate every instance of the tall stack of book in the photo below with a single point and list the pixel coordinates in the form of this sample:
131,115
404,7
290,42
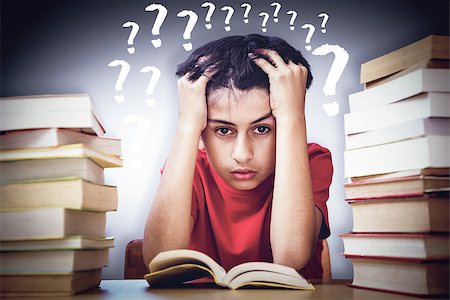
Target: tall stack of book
397,162
53,194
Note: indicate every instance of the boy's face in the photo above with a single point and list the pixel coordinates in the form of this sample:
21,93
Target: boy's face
240,136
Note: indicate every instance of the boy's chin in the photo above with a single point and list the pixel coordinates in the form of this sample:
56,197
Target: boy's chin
244,185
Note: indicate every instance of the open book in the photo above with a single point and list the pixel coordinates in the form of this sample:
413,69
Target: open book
181,266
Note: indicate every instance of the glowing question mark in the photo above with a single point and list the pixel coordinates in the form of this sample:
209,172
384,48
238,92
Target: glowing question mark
277,10
211,9
132,152
153,81
228,17
309,35
189,26
293,17
248,7
134,30
125,69
324,21
341,58
264,22
160,17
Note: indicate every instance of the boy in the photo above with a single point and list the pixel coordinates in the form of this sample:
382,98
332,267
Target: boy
258,190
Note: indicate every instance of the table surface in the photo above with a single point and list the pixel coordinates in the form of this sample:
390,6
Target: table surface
138,289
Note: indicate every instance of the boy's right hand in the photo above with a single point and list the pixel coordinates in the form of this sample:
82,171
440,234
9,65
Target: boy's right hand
192,101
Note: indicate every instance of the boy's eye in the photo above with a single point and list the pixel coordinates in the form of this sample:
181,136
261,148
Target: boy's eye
261,129
224,131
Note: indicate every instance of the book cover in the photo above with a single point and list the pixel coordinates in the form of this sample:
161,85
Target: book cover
418,153
55,110
55,261
419,277
429,213
397,245
53,137
399,132
425,105
430,47
406,86
68,192
396,187
50,222
48,284
41,169
66,151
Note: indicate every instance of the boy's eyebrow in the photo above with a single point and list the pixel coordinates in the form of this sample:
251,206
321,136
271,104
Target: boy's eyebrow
269,114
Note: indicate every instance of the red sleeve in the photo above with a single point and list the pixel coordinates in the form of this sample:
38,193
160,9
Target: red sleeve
321,168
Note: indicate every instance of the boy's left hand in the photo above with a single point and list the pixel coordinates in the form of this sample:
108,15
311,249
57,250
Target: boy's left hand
287,85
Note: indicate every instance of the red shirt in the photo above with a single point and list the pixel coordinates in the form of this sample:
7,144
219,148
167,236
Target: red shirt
233,226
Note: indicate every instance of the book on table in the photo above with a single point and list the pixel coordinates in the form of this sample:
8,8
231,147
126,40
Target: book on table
418,153
425,105
425,49
70,242
398,245
45,111
67,192
40,169
53,137
49,284
428,213
406,186
50,222
182,266
66,151
419,277
399,132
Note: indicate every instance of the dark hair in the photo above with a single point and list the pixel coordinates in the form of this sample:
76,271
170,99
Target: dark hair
229,56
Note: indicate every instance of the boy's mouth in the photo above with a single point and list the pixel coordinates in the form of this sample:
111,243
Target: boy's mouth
243,174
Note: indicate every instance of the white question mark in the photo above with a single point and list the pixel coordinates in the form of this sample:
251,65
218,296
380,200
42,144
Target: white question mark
277,10
293,17
189,26
341,58
153,81
125,69
160,17
134,30
132,155
324,21
211,9
248,7
228,17
309,35
264,22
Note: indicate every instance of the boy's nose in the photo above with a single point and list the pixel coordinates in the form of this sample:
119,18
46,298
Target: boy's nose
242,150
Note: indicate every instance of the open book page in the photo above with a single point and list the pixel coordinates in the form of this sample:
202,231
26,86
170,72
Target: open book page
184,265
178,274
270,279
259,266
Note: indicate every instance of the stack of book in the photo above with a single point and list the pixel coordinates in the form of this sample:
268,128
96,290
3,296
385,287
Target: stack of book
397,162
53,194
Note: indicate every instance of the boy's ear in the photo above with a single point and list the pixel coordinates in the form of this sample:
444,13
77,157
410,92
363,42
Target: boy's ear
201,146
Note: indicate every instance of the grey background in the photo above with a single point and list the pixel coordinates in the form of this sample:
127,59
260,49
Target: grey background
65,47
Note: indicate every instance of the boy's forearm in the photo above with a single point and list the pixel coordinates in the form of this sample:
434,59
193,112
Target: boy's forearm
168,223
293,224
